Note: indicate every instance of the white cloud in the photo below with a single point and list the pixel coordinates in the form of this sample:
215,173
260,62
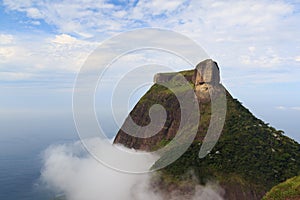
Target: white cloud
6,39
246,13
69,170
6,53
296,108
219,17
82,177
36,23
262,60
14,76
64,39
78,17
157,7
34,13
281,108
240,34
251,49
53,52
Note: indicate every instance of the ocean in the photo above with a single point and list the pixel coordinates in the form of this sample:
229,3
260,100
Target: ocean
22,142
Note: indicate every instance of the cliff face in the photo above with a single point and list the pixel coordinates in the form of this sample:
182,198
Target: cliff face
204,78
250,156
158,94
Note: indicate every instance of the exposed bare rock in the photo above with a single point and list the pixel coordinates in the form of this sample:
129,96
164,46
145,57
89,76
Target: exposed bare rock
208,72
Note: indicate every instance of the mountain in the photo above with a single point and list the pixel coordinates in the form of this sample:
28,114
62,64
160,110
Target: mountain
249,158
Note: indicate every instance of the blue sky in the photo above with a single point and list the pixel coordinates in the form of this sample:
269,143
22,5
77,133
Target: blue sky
44,43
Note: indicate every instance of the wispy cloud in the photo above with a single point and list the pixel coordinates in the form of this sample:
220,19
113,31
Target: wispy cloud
14,76
296,108
281,108
243,35
23,57
297,58
6,39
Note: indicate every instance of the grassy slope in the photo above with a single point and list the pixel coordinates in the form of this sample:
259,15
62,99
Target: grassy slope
289,190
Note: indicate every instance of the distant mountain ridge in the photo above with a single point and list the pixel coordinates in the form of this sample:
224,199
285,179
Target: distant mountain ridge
250,157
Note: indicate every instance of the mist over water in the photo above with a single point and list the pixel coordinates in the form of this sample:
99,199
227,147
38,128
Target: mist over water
68,169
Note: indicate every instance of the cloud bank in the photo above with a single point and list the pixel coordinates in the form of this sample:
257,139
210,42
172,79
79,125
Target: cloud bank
69,170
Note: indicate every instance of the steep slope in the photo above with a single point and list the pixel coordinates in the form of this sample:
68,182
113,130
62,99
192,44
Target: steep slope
289,190
250,157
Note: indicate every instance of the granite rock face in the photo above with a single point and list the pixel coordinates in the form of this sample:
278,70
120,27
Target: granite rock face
208,72
206,79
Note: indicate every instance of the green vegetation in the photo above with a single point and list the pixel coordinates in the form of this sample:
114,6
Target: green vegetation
187,72
249,152
289,190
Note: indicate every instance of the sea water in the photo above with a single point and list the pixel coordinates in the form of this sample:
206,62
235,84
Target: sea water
22,142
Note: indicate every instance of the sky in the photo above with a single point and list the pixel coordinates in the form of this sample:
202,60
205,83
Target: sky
43,45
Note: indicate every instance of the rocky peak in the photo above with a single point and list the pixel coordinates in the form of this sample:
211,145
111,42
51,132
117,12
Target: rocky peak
206,78
207,71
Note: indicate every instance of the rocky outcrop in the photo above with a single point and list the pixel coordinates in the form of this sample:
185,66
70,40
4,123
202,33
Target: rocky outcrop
206,79
163,77
166,77
208,72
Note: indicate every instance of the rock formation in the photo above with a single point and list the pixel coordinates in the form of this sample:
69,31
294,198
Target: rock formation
205,77
208,72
